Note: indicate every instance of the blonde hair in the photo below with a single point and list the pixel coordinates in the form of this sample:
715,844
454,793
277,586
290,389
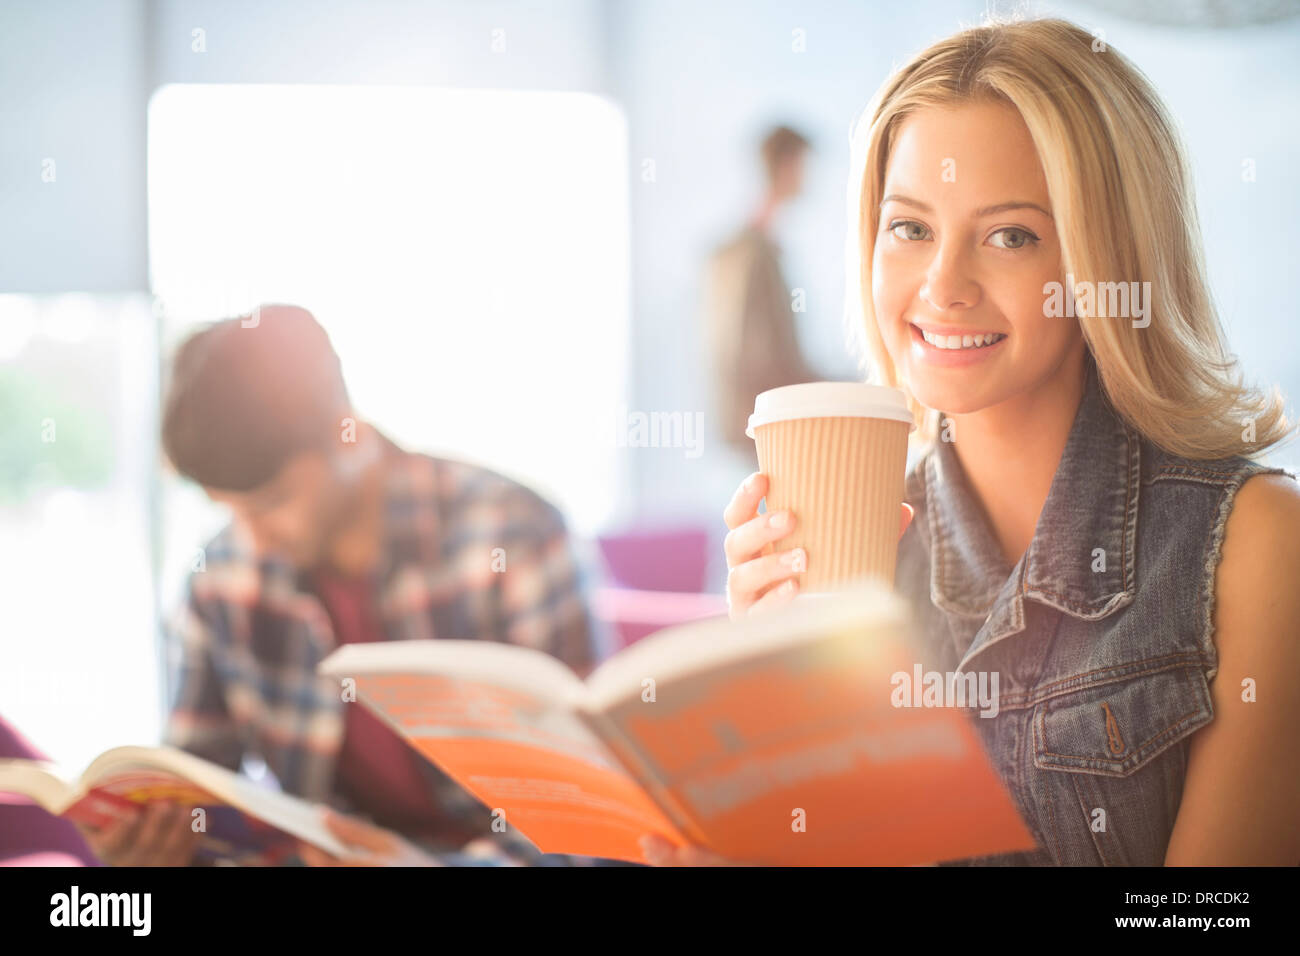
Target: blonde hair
1122,197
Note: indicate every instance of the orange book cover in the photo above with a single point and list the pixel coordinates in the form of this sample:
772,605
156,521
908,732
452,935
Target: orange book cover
777,740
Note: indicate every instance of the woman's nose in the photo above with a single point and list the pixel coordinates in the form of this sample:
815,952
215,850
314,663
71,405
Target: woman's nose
948,282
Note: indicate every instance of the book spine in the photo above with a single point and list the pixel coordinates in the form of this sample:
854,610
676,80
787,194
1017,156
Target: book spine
622,751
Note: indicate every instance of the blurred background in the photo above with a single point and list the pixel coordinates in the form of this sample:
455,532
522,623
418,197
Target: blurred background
504,213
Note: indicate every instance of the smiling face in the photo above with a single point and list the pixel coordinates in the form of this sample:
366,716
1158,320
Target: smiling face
965,245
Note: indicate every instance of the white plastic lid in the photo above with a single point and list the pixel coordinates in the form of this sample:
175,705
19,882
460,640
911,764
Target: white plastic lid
829,400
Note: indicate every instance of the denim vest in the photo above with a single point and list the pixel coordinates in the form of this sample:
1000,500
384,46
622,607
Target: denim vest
1100,636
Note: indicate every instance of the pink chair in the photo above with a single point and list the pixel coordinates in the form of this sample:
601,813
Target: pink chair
652,558
634,614
28,835
659,576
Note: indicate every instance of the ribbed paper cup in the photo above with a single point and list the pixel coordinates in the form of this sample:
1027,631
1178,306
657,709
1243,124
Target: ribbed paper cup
835,454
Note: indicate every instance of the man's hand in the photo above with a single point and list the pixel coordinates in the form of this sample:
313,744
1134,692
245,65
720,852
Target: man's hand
157,835
369,845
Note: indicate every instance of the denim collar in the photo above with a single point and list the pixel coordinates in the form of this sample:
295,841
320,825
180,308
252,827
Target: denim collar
1091,508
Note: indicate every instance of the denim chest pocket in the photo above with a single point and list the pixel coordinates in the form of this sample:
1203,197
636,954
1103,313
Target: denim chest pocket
1110,769
1117,727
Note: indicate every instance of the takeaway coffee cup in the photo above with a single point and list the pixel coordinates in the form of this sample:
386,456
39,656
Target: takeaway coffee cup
835,453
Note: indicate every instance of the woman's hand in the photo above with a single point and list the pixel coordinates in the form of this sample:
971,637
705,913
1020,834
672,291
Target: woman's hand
369,845
759,577
660,852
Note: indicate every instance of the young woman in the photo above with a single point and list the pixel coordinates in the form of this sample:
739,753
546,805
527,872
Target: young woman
1088,519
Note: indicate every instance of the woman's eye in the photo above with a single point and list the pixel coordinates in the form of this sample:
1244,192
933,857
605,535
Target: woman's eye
912,231
1014,238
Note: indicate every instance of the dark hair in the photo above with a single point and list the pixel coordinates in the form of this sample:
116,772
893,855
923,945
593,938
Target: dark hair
780,144
249,393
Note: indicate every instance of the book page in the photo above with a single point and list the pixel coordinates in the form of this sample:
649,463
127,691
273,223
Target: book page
243,822
530,760
44,783
704,645
799,757
505,665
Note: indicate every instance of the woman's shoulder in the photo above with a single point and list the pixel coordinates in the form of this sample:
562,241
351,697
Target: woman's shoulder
1260,552
1251,604
1241,496
1238,498
1159,465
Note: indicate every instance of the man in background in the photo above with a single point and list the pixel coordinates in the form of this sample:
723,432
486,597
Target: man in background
749,312
338,536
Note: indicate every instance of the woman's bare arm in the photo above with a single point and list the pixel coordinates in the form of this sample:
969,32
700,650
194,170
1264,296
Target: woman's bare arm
1241,798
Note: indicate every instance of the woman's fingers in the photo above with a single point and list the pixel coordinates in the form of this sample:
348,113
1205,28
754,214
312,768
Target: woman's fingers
661,852
775,597
744,503
748,581
754,568
657,850
751,539
759,577
698,856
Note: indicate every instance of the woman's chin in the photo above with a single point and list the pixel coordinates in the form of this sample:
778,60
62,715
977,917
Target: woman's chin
947,400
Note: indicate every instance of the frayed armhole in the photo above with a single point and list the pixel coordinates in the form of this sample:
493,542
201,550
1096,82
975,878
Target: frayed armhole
1215,552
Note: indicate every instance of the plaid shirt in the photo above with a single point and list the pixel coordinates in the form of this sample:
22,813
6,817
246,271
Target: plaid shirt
250,635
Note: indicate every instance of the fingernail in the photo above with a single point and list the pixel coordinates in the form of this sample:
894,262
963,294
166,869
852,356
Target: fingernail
795,560
790,586
779,520
751,482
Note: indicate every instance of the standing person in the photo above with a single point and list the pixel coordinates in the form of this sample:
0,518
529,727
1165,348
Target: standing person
754,345
1091,524
338,536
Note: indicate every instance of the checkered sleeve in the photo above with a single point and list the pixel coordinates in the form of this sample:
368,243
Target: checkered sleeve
543,599
199,722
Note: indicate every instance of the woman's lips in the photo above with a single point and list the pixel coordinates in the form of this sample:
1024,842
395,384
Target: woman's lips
949,358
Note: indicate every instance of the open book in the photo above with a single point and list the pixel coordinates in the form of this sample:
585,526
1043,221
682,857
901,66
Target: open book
770,740
240,821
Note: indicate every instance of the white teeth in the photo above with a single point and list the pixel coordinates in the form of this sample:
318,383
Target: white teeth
962,341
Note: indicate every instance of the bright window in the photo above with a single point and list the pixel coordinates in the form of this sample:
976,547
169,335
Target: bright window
79,642
466,250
